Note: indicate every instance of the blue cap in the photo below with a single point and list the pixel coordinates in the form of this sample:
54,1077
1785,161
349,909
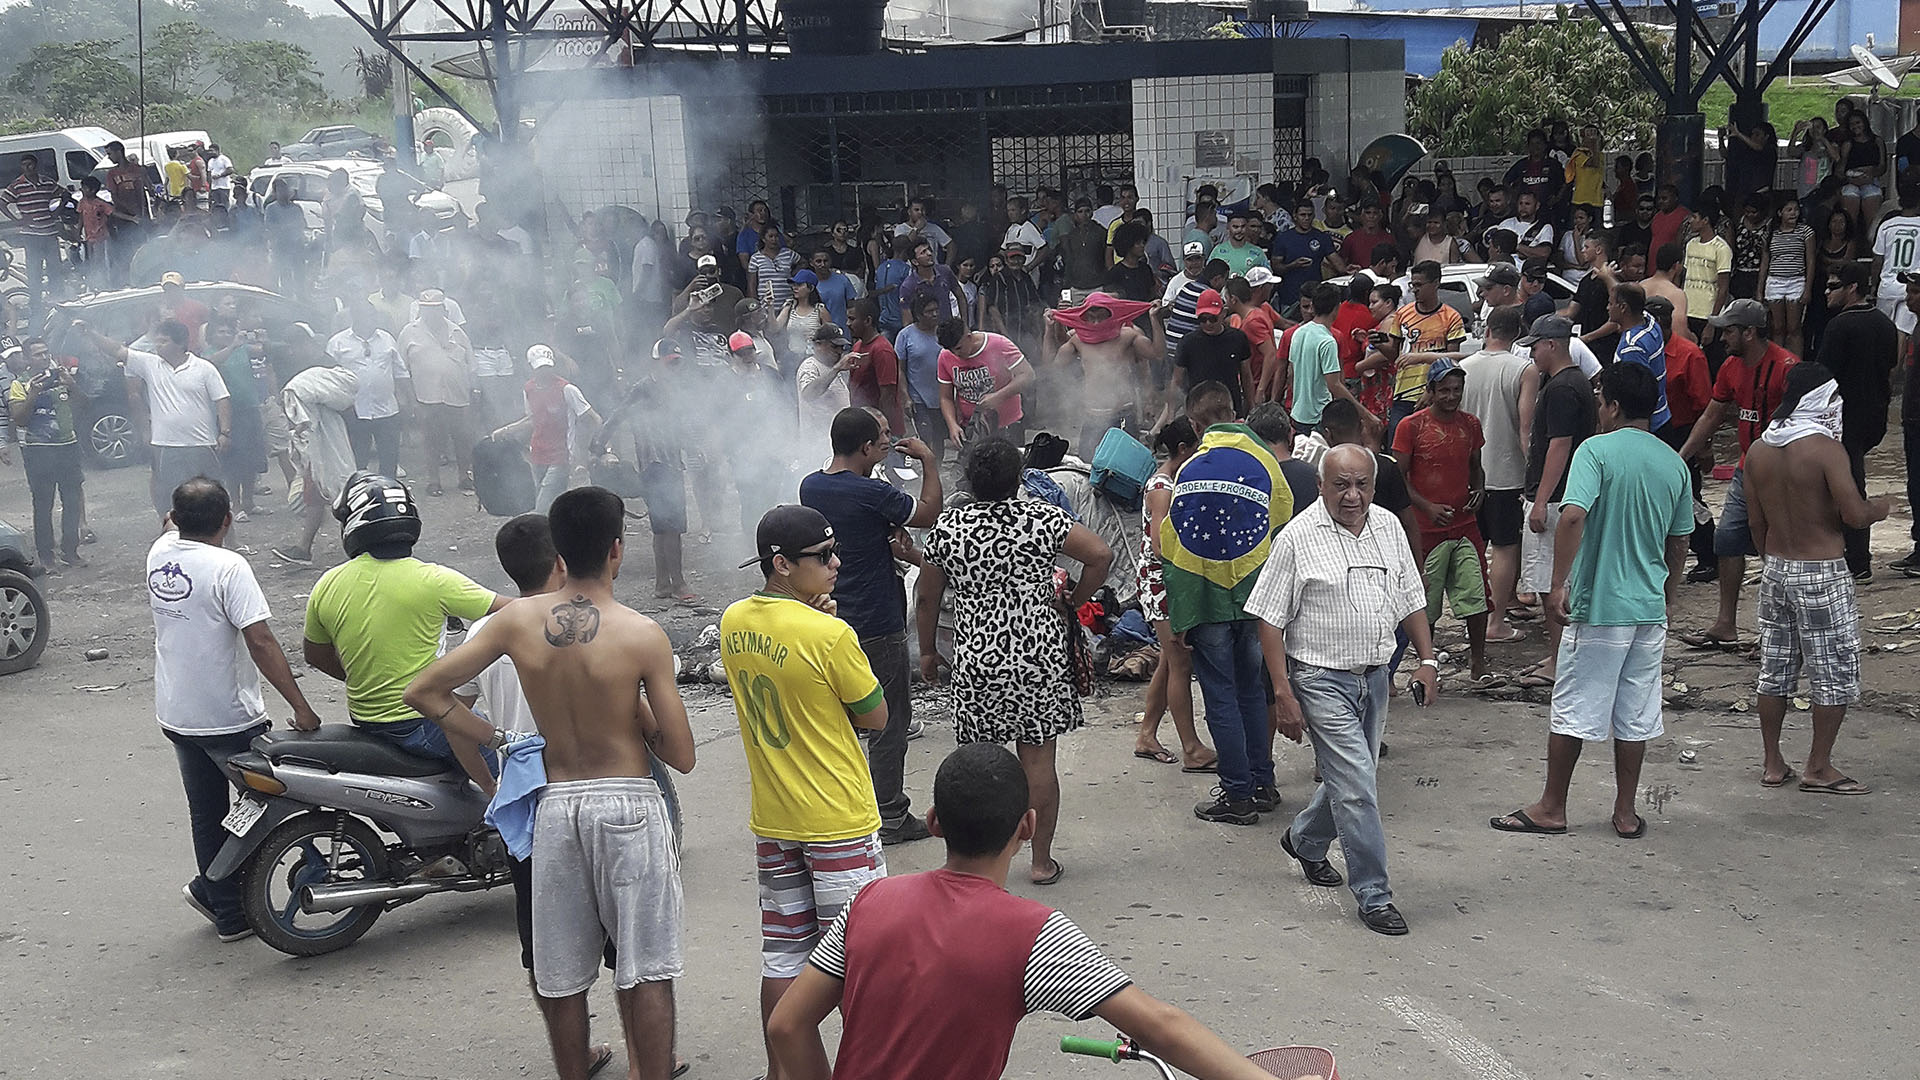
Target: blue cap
805,277
1440,369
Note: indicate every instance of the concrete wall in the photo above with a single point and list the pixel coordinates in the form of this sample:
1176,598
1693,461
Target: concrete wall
1340,123
1171,117
626,151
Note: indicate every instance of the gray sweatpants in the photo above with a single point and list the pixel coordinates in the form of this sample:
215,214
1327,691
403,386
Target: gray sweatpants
604,869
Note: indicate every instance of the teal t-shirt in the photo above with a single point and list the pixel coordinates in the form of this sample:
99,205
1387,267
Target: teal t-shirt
1636,493
1314,355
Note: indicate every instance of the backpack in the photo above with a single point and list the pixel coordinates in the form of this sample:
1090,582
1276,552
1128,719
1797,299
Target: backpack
1121,465
502,479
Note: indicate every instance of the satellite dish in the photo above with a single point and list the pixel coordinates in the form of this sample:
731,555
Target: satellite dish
1875,67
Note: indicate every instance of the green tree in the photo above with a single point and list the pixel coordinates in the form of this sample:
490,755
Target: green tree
176,55
74,77
1485,98
268,72
372,70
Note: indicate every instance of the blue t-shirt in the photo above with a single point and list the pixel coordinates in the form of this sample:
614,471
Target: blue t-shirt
1647,346
1637,493
834,292
863,512
919,353
891,272
1289,245
747,241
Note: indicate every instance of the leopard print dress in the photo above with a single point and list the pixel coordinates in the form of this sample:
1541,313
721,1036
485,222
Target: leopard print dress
1011,678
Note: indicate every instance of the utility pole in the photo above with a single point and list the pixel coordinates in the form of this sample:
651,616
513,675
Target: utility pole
402,108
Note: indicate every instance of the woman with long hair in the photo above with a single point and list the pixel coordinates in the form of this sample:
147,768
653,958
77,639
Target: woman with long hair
1013,666
1172,685
1786,274
1864,162
1837,245
801,314
1813,149
771,268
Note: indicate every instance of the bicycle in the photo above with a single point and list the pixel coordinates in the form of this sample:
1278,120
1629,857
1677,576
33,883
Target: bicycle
1291,1062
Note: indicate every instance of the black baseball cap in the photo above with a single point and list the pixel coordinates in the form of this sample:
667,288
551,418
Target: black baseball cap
788,530
1500,273
1535,269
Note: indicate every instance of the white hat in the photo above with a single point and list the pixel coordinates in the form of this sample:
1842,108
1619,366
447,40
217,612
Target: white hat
1258,276
539,356
1195,247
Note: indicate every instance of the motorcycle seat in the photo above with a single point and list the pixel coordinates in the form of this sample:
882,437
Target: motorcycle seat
340,748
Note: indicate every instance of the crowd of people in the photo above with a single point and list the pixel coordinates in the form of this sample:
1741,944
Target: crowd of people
1344,452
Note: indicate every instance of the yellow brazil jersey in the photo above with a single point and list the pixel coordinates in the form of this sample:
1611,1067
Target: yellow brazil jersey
1440,330
796,673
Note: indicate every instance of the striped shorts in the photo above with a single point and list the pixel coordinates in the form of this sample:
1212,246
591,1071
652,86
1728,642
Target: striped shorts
803,887
1809,618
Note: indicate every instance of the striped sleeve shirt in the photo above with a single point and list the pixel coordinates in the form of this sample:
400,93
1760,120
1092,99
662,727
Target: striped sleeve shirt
31,203
1066,972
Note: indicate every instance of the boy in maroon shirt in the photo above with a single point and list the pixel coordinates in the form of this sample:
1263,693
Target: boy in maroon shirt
909,950
1439,447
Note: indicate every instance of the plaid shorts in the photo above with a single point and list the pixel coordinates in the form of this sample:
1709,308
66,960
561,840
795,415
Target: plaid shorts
1809,617
802,889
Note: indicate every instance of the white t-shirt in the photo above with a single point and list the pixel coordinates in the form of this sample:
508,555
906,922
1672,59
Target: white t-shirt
219,167
181,400
1542,232
934,235
204,681
1023,232
817,413
375,362
1898,242
1583,355
501,700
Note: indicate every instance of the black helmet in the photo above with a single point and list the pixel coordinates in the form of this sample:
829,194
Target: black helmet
373,510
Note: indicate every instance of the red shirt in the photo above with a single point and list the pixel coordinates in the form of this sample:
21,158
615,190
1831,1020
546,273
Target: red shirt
1257,324
1358,246
1666,229
1754,389
1689,387
876,383
1351,321
1437,456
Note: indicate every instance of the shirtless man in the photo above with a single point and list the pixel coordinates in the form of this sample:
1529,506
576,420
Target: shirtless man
1669,271
582,662
1801,494
1112,370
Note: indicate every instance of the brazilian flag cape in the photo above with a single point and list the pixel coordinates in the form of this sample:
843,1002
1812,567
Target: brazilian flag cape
1228,501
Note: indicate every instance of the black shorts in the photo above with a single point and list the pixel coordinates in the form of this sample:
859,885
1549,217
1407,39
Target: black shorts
1500,518
665,490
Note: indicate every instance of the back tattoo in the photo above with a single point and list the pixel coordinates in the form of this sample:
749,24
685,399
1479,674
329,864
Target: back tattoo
573,622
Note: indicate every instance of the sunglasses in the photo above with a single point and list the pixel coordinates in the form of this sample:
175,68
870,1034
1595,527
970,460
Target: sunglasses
1208,318
832,552
1832,285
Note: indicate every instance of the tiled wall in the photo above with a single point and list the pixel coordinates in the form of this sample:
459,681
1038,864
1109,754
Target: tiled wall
1171,117
626,152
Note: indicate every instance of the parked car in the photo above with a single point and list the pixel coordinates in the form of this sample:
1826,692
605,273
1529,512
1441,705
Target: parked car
335,142
309,182
24,623
1460,288
294,332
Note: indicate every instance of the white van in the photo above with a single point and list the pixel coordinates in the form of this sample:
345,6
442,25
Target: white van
65,155
155,150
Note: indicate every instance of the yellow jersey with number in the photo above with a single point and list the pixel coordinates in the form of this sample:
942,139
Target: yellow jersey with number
798,676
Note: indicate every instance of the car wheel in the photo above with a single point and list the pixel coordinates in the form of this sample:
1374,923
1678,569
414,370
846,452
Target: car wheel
24,624
114,441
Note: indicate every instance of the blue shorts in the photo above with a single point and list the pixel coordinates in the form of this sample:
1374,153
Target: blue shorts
1608,682
1732,538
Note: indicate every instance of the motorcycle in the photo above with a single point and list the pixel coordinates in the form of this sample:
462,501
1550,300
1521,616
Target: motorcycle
307,835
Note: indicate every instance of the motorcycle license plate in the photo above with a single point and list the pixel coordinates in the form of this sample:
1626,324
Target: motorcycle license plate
243,815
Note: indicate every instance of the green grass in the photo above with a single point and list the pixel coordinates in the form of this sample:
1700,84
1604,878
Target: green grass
1787,105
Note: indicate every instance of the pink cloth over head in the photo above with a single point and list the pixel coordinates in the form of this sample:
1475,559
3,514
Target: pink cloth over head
1123,313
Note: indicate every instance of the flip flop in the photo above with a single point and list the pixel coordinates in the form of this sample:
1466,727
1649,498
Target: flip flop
1489,681
680,1068
1515,635
1533,680
1161,755
1846,785
1527,825
601,1058
1699,639
1059,868
1639,829
1522,614
1787,778
1210,767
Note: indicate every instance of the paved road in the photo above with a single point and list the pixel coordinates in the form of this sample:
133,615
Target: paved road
1751,933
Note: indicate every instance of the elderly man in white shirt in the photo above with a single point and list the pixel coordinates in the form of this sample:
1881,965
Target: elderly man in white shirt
1340,579
382,382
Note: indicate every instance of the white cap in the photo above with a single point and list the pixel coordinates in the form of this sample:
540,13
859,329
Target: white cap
1195,247
539,356
1258,276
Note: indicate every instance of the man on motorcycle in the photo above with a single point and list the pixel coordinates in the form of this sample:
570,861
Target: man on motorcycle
908,951
603,850
211,643
374,621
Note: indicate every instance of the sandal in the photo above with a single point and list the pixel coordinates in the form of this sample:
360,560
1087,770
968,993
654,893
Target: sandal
1059,868
1526,825
1159,753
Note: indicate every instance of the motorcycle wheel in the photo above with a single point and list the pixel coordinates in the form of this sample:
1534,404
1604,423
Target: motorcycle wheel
298,854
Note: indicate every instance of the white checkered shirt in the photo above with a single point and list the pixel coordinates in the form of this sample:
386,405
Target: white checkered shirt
1338,596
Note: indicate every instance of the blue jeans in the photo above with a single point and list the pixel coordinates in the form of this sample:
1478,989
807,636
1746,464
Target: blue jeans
1345,715
1226,659
426,739
203,760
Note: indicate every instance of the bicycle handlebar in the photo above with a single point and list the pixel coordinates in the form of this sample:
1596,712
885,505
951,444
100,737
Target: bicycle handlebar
1103,1048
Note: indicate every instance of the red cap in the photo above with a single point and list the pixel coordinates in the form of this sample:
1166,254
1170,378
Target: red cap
1209,303
740,340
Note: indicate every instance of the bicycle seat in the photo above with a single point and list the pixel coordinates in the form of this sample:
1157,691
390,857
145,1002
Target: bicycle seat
341,748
